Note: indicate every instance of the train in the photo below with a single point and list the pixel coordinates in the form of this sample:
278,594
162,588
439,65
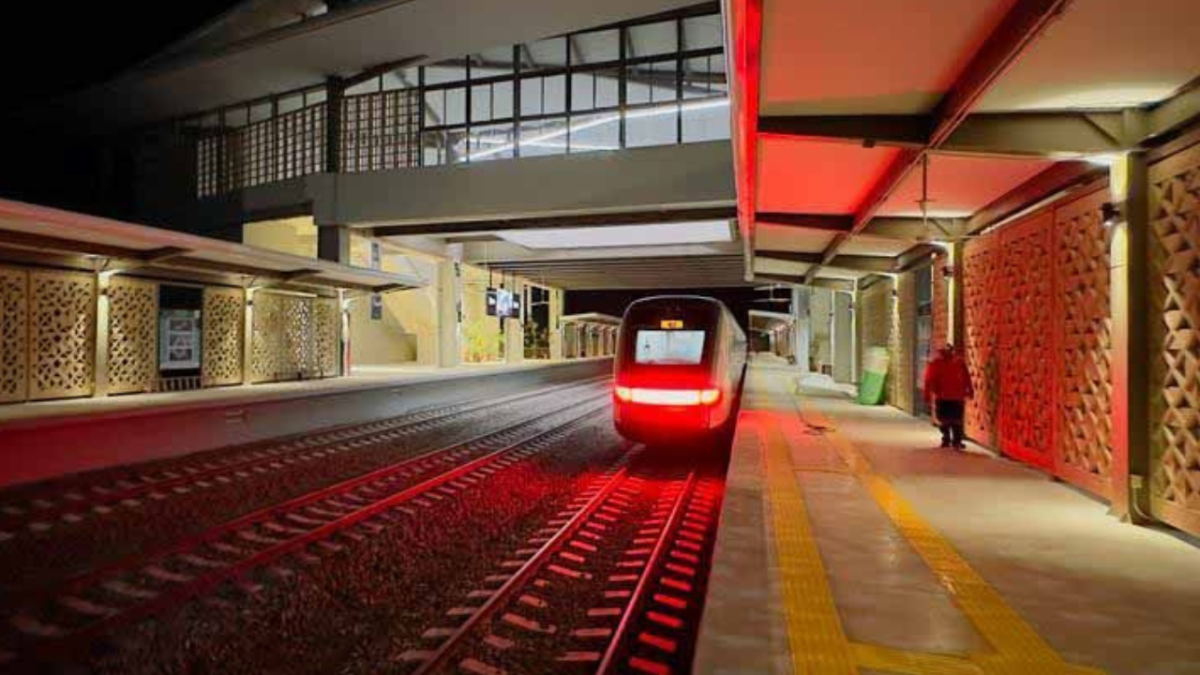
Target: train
678,371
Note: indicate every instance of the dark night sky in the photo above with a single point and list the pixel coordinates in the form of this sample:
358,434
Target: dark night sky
71,45
68,46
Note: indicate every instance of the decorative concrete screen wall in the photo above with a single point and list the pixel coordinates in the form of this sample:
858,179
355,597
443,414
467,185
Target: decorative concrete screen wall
221,342
1084,432
1175,339
981,307
1036,297
1026,324
14,334
62,334
133,335
294,337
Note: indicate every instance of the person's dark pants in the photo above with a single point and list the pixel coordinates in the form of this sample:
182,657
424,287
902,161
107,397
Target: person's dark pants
950,420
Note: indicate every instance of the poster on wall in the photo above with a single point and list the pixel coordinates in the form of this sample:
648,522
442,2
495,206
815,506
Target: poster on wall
179,340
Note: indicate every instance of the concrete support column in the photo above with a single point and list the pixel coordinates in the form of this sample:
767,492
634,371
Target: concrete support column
842,338
555,328
803,336
449,314
1130,259
514,329
103,322
333,243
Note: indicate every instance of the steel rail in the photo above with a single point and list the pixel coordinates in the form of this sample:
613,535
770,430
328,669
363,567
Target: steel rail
518,579
205,583
277,453
639,591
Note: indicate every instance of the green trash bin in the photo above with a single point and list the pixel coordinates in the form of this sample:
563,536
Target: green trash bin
874,377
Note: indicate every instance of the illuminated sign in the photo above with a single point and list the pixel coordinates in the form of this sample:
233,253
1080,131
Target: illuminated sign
670,324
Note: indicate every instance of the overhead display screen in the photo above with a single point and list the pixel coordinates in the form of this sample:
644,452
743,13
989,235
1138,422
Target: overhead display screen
502,303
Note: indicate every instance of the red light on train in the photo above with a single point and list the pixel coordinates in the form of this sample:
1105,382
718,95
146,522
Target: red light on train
674,397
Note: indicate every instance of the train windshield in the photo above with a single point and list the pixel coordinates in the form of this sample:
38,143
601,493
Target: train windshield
669,347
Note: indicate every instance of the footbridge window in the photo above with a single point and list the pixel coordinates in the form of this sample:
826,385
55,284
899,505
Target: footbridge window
656,81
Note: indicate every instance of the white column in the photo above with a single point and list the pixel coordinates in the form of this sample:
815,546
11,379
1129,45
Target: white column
842,338
103,311
803,331
248,338
449,314
555,327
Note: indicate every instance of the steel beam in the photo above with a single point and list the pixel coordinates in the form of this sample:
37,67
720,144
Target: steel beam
864,263
1034,134
1023,24
808,221
1058,177
646,217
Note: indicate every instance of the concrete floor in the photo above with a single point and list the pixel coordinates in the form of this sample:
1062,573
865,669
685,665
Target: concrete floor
361,377
850,543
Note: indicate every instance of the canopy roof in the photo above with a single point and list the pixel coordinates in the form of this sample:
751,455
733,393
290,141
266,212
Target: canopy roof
45,236
926,120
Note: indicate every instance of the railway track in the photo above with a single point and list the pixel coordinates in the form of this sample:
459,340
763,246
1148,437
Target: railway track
38,513
615,583
48,623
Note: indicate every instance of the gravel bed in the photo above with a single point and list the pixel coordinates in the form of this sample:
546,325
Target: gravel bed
356,610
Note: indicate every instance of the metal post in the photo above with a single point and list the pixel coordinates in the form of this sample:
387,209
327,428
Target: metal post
1129,183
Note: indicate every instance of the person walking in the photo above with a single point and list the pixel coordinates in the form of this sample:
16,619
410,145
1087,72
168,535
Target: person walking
947,388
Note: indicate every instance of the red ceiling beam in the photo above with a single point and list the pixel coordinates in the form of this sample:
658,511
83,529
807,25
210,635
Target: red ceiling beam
1024,23
744,44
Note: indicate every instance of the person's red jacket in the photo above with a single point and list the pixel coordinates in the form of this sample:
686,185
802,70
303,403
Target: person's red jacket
948,379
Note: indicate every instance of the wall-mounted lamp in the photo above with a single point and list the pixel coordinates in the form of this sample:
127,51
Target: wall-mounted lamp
948,271
1110,214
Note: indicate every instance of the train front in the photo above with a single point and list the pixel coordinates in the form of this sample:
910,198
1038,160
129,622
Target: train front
667,388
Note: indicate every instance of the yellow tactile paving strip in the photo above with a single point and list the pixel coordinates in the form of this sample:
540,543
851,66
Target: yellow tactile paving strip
819,645
818,642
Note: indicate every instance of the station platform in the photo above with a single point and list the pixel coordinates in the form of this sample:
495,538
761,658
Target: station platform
851,543
53,438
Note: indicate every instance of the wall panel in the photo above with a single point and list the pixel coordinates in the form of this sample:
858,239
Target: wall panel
62,334
328,337
1083,454
981,292
1026,351
1175,339
224,325
133,335
14,334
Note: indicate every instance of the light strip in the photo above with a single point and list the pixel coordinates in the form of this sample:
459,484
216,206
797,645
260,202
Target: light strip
675,397
668,109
